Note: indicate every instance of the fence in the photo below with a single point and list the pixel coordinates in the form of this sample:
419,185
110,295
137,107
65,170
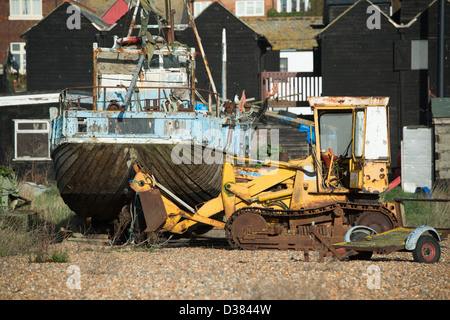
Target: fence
294,88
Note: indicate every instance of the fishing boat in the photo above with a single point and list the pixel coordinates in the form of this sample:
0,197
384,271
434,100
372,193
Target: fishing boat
143,107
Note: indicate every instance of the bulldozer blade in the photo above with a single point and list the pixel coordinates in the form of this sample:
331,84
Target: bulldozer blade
154,210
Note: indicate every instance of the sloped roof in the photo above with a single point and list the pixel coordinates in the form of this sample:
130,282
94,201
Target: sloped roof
115,12
214,5
287,33
181,16
421,10
97,22
99,7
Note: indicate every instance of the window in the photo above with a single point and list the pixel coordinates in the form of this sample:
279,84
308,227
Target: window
359,133
336,133
249,8
283,64
154,62
25,9
419,54
31,140
18,52
292,5
199,6
410,55
377,137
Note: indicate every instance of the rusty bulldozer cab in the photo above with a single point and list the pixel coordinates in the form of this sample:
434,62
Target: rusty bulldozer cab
353,144
302,204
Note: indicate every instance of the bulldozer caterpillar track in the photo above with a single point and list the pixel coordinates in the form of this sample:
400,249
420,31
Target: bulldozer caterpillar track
267,228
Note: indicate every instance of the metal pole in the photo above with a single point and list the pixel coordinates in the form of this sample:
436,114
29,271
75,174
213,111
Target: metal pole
441,50
133,20
199,41
224,64
94,82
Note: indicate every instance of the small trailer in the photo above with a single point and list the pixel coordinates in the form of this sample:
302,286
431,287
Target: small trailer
361,242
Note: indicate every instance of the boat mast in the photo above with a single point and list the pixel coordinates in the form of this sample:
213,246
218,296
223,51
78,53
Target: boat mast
224,64
133,20
199,41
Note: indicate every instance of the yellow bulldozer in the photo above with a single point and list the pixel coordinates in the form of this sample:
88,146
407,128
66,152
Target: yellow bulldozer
300,203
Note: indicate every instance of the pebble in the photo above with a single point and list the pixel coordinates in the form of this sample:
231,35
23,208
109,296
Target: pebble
204,272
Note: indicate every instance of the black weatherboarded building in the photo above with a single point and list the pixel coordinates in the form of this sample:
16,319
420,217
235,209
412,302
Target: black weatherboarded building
376,52
248,53
59,57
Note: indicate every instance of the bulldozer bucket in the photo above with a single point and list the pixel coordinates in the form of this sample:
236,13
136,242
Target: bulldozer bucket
154,210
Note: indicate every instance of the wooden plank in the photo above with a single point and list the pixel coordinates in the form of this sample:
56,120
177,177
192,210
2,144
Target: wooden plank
98,192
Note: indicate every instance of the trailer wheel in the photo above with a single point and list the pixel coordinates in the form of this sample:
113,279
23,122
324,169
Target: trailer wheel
427,250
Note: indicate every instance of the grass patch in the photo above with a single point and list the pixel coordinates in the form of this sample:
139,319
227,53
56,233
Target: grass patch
54,210
435,214
13,242
39,241
57,256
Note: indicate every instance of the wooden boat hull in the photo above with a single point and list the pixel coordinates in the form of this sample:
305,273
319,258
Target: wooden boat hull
93,179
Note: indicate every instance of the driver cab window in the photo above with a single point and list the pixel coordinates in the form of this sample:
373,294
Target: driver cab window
336,133
359,133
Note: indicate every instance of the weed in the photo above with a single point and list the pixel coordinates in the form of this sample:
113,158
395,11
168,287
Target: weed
59,256
54,209
13,242
39,257
54,214
435,214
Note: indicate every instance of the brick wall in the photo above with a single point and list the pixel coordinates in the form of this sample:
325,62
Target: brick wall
11,30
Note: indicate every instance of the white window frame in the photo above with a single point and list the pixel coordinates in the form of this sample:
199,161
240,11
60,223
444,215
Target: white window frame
32,15
199,6
289,7
19,131
243,6
22,55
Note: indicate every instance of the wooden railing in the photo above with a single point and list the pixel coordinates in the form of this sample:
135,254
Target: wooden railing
294,88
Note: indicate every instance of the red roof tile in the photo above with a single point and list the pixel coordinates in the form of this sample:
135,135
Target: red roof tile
115,12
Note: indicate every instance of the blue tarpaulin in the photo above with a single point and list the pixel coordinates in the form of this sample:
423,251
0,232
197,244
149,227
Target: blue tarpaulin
305,128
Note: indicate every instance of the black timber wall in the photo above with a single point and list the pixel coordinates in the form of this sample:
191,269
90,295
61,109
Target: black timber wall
24,169
245,51
290,139
58,57
426,27
358,61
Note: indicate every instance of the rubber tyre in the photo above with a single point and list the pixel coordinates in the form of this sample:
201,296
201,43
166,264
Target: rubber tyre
427,250
358,235
361,255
